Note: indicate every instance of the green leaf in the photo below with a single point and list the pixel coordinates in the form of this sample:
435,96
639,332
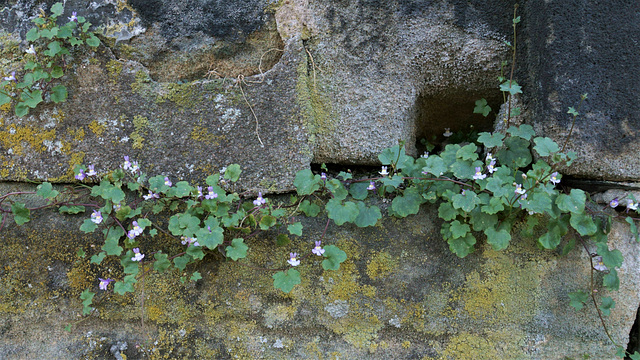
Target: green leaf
334,257
309,209
632,227
408,203
71,209
435,165
306,182
267,221
499,239
367,216
210,239
295,229
606,305
634,356
122,288
458,229
490,140
545,146
282,240
523,131
112,246
359,190
88,226
233,171
337,189
574,202
395,155
21,109
182,261
496,205
578,298
286,280
341,213
57,9
446,211
481,220
49,33
511,87
557,229
32,35
31,99
66,31
56,72
344,175
393,182
482,107
466,202
462,246
611,281
87,300
196,276
97,259
162,262
93,41
467,152
516,154
237,250
573,111
611,259
583,223
58,93
54,48
21,214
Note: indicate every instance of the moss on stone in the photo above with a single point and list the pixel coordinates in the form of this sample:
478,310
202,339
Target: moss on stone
381,265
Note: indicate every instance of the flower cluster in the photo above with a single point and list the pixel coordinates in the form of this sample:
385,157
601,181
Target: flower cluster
138,256
191,240
82,173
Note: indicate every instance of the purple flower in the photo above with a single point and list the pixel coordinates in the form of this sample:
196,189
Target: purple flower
614,203
136,228
91,171
127,163
11,77
490,157
462,192
104,283
479,175
292,259
491,168
318,250
138,256
200,195
323,176
151,195
631,205
81,175
190,241
117,207
519,189
213,195
134,167
372,186
96,217
554,178
425,155
598,264
167,181
259,201
74,17
384,171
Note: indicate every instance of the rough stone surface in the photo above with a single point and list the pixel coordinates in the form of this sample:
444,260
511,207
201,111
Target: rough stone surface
401,294
573,47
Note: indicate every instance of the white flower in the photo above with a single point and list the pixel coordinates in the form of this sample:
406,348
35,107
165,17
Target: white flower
384,171
96,217
292,259
447,132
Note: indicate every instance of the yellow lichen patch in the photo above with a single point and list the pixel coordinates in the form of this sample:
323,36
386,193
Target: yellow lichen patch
140,124
96,127
17,137
77,134
182,95
114,68
202,134
381,265
500,344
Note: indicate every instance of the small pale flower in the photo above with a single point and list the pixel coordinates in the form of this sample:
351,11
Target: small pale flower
91,171
462,192
598,264
31,50
554,178
479,175
74,17
323,176
425,155
104,283
519,189
447,132
137,256
631,205
292,259
259,201
200,195
96,217
212,194
167,181
492,167
117,207
489,157
11,77
151,195
81,175
384,171
135,167
136,228
614,203
372,186
127,163
524,176
318,250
